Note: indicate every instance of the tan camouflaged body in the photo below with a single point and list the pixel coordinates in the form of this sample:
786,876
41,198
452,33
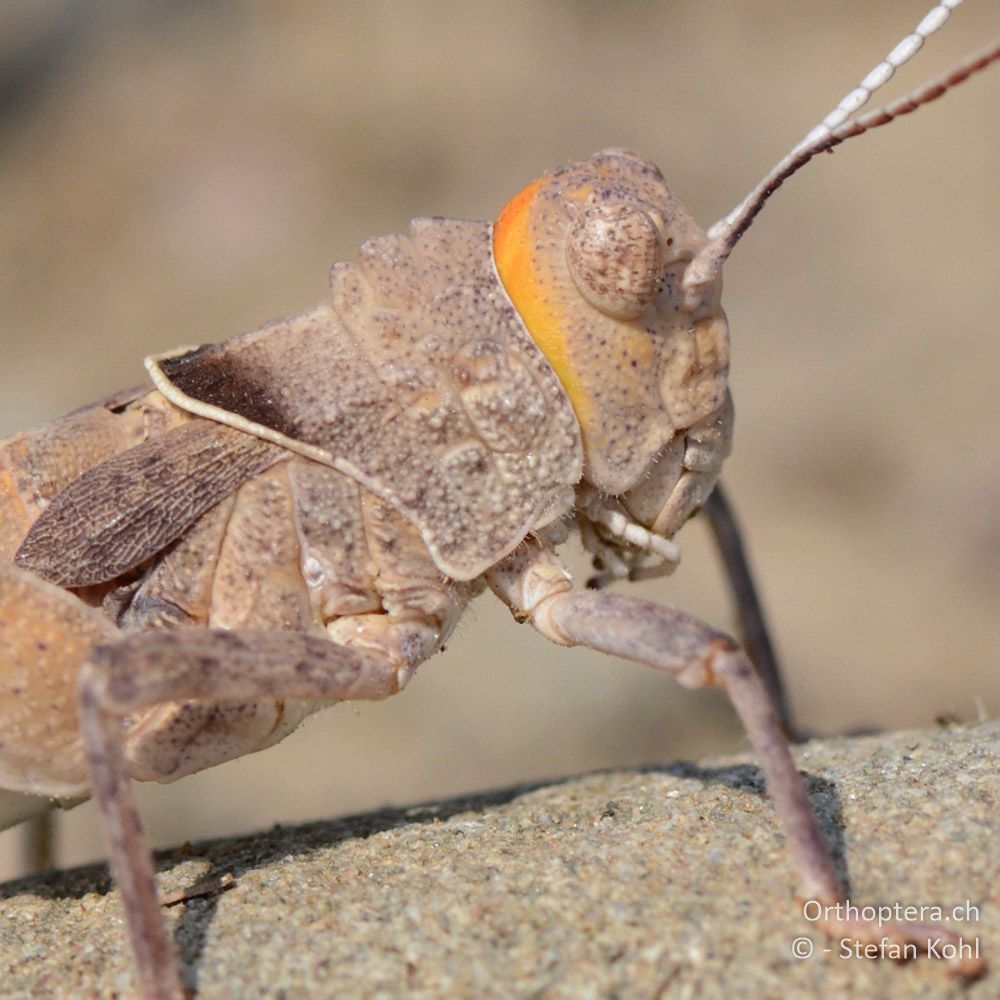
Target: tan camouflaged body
409,435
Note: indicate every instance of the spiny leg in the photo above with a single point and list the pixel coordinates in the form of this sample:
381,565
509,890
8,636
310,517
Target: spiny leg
753,625
145,669
535,585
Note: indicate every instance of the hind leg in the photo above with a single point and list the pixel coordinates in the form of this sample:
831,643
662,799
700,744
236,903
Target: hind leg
122,678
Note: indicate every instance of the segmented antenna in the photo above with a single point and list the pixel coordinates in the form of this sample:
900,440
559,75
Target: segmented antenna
837,126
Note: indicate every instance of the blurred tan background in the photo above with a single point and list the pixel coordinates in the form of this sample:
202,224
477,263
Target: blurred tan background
177,173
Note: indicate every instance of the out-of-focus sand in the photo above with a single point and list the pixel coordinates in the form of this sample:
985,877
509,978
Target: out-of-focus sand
189,174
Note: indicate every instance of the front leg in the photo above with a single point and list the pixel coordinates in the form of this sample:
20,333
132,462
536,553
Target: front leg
207,665
607,519
537,588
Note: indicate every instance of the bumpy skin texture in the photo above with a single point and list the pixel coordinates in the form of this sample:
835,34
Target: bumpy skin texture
369,459
476,420
298,547
420,382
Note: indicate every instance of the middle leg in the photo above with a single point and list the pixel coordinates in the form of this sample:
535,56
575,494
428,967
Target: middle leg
121,679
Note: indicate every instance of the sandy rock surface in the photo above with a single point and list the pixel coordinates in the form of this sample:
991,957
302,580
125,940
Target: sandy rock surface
670,881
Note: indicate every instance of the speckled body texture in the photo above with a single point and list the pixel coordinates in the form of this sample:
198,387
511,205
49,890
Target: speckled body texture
420,381
595,259
299,515
352,471
445,436
296,547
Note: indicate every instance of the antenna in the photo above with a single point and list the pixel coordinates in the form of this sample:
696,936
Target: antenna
834,129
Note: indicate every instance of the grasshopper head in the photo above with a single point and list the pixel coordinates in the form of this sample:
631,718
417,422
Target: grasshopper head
620,288
593,257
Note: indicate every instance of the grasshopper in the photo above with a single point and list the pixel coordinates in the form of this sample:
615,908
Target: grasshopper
300,515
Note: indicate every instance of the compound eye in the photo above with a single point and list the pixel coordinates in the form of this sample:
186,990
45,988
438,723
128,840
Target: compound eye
616,259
